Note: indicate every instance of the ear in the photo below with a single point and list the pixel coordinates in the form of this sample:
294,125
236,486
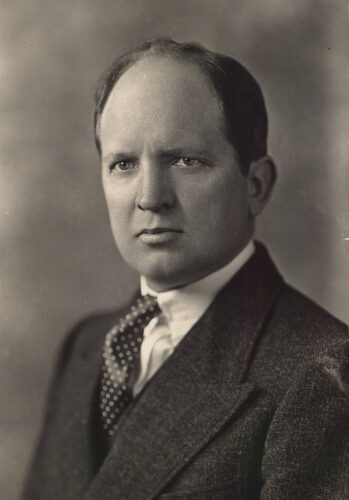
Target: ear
260,182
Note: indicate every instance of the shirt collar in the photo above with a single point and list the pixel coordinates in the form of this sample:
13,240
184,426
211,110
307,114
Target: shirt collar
187,304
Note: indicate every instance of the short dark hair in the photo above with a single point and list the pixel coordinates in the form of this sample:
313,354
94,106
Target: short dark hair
239,93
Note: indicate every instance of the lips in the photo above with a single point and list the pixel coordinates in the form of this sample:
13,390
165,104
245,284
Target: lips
158,230
158,235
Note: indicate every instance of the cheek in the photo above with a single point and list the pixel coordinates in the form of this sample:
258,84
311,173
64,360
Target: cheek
119,212
218,205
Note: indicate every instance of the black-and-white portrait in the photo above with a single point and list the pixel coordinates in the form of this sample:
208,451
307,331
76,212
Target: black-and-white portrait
174,233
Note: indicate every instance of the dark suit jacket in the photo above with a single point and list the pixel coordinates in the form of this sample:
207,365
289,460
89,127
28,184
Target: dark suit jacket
253,403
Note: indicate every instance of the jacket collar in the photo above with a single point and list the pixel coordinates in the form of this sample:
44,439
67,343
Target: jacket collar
197,390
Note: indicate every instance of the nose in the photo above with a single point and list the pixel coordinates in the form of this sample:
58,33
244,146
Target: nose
155,191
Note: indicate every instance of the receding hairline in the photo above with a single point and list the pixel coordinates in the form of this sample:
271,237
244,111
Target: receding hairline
156,52
167,57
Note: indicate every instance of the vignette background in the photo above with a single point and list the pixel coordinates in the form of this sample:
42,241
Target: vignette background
58,260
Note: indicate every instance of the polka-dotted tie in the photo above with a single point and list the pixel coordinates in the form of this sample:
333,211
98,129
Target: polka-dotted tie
120,357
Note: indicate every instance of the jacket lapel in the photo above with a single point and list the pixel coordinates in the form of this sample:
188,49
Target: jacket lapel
197,390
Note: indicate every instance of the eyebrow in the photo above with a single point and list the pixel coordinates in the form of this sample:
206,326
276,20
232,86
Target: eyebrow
117,156
173,152
188,151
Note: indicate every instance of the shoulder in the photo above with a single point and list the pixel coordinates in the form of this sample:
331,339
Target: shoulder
306,323
298,336
293,304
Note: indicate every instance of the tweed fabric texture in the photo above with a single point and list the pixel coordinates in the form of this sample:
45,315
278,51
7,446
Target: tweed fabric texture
252,404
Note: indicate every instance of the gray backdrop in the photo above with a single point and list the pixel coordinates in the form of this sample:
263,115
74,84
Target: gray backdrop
58,260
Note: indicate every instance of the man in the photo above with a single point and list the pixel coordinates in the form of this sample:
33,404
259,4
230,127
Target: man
219,381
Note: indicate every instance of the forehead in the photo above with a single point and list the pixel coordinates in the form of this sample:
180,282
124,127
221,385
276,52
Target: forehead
164,100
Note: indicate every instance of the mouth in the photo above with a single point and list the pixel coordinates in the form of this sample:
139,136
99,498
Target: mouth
158,230
158,235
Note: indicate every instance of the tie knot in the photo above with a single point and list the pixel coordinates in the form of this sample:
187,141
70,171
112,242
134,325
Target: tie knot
144,309
147,303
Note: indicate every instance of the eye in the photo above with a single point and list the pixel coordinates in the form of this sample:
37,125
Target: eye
187,161
122,165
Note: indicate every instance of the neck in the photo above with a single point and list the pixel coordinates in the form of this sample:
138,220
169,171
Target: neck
229,268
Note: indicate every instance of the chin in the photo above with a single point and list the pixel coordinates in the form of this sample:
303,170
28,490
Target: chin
164,276
161,282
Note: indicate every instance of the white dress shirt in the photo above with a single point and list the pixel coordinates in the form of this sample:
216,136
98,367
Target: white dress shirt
180,308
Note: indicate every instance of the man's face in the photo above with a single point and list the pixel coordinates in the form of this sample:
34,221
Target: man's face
177,200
